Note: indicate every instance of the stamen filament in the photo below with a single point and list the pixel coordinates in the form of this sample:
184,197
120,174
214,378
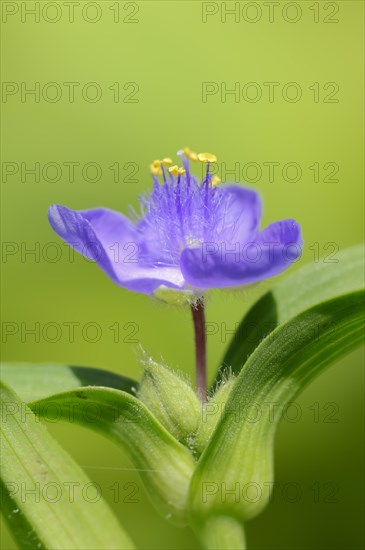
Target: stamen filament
164,175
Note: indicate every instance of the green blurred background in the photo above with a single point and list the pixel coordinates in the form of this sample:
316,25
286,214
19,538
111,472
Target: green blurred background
167,50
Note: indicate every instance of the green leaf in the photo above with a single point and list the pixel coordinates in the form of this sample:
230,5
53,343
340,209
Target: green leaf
43,490
22,531
239,456
310,285
37,381
164,464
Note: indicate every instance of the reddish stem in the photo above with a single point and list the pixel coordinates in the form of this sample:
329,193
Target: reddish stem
198,314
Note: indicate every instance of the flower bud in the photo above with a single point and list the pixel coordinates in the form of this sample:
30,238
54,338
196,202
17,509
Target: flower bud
171,400
211,413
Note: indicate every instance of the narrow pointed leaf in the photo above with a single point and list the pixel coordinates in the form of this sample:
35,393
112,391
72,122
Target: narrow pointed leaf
164,464
42,498
22,531
239,455
37,381
310,285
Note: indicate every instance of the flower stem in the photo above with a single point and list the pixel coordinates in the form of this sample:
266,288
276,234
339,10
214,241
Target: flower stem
198,314
225,533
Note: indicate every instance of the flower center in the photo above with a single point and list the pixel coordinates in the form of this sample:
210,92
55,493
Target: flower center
181,211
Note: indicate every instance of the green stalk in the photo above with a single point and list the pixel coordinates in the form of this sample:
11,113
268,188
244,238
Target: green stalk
222,533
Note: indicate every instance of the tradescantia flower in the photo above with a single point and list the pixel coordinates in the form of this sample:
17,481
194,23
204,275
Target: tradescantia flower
191,236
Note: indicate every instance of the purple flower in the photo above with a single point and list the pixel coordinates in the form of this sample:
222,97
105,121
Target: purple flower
190,235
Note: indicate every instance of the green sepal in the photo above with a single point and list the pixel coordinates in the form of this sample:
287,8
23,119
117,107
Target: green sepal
174,297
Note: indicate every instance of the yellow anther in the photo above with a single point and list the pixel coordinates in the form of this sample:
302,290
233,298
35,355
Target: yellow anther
190,154
166,161
207,157
155,169
174,170
156,163
215,181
